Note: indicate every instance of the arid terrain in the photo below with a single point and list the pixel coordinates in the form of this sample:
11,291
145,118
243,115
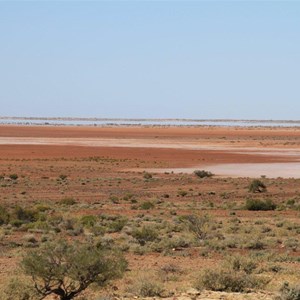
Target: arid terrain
135,188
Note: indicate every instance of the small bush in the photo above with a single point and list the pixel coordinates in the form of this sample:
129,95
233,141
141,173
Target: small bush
198,225
13,176
146,234
147,287
226,280
22,215
147,205
62,177
203,173
88,221
257,186
147,175
256,204
68,201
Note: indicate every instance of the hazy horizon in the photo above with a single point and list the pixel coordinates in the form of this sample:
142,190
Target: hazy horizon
150,60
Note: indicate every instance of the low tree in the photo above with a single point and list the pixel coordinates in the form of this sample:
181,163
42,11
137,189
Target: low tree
66,270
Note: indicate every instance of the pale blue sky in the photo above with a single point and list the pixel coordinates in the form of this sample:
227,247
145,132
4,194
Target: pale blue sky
150,59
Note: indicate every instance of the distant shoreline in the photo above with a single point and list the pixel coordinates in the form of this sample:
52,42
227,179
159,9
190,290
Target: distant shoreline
118,122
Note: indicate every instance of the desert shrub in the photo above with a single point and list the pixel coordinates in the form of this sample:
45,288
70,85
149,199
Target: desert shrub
198,225
182,193
227,280
257,186
117,225
23,215
65,270
13,176
255,244
147,286
68,201
147,175
145,234
4,215
203,173
239,263
62,177
288,292
147,205
257,204
88,221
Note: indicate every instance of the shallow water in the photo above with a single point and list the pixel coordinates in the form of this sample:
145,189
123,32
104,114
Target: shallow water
254,170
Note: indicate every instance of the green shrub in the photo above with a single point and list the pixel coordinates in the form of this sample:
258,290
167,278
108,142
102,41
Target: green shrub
257,186
145,234
147,205
88,221
22,215
117,225
226,280
203,173
256,204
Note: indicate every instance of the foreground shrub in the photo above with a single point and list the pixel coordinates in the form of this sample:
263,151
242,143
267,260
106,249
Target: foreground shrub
65,270
203,173
256,204
257,186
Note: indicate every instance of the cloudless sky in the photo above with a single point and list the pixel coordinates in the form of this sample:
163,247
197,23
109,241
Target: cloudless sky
172,59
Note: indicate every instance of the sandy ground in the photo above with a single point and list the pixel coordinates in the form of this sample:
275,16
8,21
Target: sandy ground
248,152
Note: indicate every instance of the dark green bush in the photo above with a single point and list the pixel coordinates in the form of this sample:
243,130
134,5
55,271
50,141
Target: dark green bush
147,205
256,204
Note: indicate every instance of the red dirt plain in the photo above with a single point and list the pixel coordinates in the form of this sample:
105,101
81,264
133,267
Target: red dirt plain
101,162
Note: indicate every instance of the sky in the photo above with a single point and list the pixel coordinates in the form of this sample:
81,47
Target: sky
150,59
